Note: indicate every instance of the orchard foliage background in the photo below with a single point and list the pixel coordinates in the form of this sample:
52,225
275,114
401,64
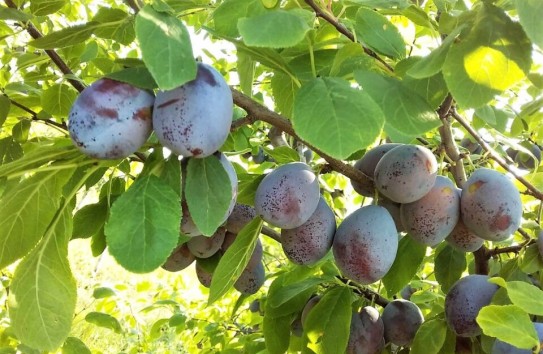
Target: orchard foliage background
337,77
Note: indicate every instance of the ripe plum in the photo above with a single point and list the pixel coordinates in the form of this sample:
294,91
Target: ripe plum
402,319
180,259
366,333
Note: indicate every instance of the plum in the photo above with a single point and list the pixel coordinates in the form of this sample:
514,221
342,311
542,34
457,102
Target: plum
490,205
367,165
204,277
241,215
309,242
402,319
367,332
188,227
288,196
500,347
394,210
110,119
314,300
205,247
180,259
525,160
463,239
251,279
365,244
471,146
432,218
464,301
406,173
195,118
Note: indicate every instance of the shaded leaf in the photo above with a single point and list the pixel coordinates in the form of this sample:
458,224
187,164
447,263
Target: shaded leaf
104,320
45,7
378,33
289,291
449,266
430,337
273,29
57,100
64,38
409,257
4,108
348,119
277,333
208,193
227,14
234,260
166,48
74,345
151,210
137,76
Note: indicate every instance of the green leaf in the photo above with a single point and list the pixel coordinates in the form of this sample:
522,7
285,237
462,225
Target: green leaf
20,131
289,291
43,292
273,29
74,345
57,100
529,14
114,24
103,292
495,55
225,17
283,154
530,260
449,266
328,324
208,192
409,257
151,210
138,76
248,183
64,38
432,63
165,47
406,112
377,32
10,150
45,7
246,72
90,219
7,13
284,90
526,296
509,324
4,109
277,333
430,337
234,260
26,211
336,118
433,89
104,320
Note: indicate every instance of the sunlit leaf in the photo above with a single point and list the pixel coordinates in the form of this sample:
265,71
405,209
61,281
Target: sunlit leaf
430,337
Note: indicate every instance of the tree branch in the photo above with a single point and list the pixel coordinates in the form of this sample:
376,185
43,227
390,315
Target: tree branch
257,111
345,31
532,190
268,231
365,292
59,62
34,116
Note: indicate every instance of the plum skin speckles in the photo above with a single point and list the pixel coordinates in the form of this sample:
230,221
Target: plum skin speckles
365,244
288,196
110,119
195,118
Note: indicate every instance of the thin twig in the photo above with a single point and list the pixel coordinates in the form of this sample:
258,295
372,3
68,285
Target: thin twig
496,157
345,31
59,62
258,111
365,292
35,117
268,231
447,140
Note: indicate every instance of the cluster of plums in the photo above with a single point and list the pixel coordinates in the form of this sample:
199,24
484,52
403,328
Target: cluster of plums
112,119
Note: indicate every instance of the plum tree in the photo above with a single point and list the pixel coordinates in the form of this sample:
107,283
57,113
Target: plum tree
432,218
365,244
195,118
500,347
241,215
401,319
180,259
463,239
110,119
367,165
288,196
464,301
205,247
366,335
311,241
406,173
491,205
